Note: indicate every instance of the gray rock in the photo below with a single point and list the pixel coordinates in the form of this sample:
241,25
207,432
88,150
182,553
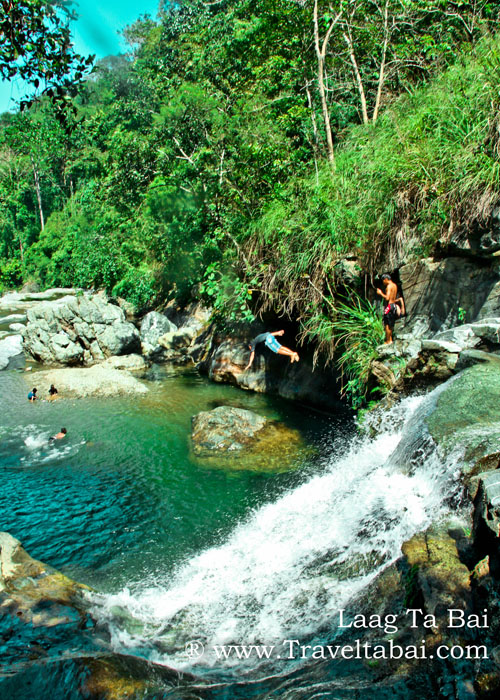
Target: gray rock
10,347
17,327
225,429
440,345
488,502
153,326
128,362
436,292
13,318
78,330
174,340
98,381
488,330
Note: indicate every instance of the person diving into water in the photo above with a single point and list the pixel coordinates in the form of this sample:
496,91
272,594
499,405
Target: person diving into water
269,339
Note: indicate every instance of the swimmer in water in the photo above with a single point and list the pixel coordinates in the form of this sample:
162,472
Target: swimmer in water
58,436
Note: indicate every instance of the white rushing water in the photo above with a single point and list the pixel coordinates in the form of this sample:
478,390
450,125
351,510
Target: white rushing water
287,570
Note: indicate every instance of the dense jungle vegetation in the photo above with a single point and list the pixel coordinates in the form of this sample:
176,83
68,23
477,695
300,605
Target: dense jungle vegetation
244,148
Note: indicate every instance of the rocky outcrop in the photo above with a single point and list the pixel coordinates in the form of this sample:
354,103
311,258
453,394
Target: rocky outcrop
190,339
272,374
241,439
411,364
440,577
45,611
26,583
438,294
99,380
78,330
10,348
153,326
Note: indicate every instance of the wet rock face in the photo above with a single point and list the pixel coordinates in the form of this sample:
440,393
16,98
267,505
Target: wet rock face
438,294
467,414
273,374
442,579
78,331
225,429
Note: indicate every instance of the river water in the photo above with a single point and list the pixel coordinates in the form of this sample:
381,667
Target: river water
180,552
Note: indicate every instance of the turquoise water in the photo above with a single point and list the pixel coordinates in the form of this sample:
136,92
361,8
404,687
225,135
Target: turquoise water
121,496
176,549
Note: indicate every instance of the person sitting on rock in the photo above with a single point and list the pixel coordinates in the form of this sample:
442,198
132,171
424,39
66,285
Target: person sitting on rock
58,436
394,306
32,395
269,339
53,393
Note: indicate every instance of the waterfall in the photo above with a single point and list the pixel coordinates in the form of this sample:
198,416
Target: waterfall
287,570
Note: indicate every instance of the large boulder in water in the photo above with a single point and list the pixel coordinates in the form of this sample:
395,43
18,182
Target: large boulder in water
225,429
99,380
234,437
78,330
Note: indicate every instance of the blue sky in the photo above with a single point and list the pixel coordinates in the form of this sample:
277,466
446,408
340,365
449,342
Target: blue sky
95,32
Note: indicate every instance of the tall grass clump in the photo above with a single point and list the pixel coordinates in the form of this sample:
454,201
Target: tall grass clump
357,329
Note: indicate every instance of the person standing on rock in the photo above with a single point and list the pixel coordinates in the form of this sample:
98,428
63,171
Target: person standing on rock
269,339
393,308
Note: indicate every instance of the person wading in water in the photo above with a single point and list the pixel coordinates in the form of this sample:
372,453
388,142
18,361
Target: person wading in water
270,341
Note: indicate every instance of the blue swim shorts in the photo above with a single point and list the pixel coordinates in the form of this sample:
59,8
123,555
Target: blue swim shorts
272,343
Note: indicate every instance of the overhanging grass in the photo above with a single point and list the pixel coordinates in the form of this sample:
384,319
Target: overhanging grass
429,167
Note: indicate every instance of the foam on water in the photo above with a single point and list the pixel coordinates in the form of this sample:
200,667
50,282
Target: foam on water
287,570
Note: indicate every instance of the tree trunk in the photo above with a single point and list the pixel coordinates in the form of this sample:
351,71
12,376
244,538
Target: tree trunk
321,54
357,75
381,76
38,192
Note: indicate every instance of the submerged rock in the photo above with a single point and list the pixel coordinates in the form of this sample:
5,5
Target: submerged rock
225,429
45,615
78,331
81,382
35,592
251,441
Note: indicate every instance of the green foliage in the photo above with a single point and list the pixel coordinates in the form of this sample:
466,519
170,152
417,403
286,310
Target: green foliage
137,286
198,160
228,296
357,329
431,162
35,45
11,274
